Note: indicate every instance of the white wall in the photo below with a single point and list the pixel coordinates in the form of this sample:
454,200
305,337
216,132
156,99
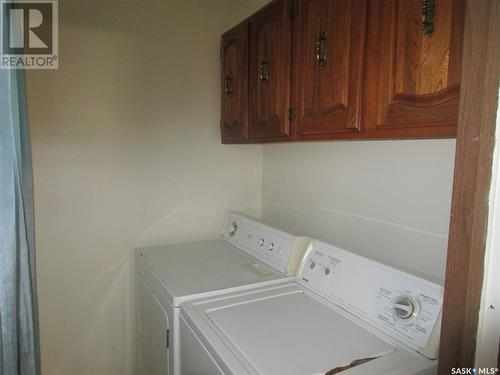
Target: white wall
389,200
126,152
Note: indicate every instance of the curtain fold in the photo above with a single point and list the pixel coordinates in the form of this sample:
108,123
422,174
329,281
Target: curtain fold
19,342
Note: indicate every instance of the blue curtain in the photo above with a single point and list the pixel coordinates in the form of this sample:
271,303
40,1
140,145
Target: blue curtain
19,345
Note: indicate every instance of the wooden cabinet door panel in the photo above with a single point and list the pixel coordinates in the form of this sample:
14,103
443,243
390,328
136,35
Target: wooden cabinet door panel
413,79
329,65
269,71
234,89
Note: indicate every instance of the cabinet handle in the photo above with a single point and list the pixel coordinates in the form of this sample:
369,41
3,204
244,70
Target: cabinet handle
229,84
428,12
264,69
321,49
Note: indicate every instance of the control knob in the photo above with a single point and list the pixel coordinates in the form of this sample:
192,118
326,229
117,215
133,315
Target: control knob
405,308
233,228
270,247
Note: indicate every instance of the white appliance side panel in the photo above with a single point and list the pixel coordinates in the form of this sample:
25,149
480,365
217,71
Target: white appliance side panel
373,291
153,326
195,359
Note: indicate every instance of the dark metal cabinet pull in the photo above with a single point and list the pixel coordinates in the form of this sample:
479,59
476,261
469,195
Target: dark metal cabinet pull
428,13
321,49
264,69
229,84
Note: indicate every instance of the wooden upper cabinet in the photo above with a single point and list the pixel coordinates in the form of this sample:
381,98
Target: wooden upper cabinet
234,89
269,72
343,69
413,65
328,65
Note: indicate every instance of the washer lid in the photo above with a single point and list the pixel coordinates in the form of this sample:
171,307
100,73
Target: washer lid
294,334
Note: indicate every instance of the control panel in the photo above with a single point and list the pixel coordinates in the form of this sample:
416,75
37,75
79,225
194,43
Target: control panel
401,305
272,246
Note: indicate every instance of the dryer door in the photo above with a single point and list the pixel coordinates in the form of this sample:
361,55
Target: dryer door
154,331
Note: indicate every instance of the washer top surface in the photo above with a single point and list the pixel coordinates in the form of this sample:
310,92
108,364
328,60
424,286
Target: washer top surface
341,311
278,338
198,267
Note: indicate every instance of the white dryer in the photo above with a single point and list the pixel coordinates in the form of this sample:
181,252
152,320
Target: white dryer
343,313
248,253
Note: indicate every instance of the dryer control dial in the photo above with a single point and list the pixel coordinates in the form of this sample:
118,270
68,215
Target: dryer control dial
405,309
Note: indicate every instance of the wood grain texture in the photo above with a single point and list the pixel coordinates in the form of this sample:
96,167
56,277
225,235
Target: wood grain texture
422,63
234,85
472,179
382,79
411,80
328,96
270,44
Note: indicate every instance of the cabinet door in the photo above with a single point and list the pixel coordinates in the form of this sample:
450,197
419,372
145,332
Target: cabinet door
270,60
234,90
329,65
413,66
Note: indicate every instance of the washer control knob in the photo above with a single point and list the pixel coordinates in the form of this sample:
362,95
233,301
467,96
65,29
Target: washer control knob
405,308
312,265
233,228
261,242
327,271
270,247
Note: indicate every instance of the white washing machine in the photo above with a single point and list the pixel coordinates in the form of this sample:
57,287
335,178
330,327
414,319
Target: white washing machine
248,253
342,313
